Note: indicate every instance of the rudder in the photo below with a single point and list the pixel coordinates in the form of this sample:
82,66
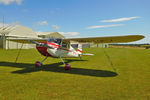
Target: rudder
79,49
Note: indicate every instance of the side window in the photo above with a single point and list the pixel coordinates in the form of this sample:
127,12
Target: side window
64,44
58,41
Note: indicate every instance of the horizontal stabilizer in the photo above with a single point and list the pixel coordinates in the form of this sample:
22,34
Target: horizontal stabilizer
88,54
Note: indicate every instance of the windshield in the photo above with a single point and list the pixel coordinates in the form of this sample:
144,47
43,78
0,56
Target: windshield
58,41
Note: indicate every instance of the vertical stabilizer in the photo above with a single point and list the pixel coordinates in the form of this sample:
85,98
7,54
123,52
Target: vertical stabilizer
79,49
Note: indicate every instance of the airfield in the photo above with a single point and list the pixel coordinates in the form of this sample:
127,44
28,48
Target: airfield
112,74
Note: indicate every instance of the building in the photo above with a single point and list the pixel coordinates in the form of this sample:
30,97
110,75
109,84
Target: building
49,35
100,45
90,45
15,32
22,32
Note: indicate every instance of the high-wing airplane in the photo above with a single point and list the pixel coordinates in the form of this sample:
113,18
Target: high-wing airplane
60,48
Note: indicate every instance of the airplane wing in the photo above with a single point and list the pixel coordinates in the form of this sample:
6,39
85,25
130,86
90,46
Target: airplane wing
27,40
111,39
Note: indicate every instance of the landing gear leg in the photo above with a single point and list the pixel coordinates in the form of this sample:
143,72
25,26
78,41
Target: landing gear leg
80,57
67,66
38,63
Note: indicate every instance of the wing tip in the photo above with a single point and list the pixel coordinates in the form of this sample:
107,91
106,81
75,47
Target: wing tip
140,36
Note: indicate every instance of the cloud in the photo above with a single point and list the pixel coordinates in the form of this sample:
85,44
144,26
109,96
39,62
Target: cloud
56,27
104,26
70,34
42,23
8,2
120,19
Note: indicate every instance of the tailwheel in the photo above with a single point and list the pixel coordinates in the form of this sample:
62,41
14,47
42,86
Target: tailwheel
38,64
67,66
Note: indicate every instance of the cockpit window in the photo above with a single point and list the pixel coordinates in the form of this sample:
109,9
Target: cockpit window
58,41
64,44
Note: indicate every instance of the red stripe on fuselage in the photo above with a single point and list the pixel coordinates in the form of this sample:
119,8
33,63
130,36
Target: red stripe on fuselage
79,50
53,44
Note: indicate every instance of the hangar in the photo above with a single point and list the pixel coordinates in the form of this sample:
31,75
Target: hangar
22,31
15,32
49,35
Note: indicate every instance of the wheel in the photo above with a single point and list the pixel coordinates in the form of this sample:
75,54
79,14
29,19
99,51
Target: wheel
67,66
38,64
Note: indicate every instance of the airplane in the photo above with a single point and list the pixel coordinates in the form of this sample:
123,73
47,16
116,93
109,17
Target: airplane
61,48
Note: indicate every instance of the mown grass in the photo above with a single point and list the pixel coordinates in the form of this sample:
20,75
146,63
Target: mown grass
92,78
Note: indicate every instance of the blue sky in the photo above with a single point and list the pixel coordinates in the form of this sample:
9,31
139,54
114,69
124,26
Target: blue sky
80,18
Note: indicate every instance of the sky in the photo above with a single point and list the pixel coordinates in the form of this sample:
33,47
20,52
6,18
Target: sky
80,18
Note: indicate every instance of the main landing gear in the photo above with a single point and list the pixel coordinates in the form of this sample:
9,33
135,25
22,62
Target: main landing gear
67,66
39,64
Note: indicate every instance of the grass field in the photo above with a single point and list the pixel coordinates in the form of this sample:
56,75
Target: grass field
92,78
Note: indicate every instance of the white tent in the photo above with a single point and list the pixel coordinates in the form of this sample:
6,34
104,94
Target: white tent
15,31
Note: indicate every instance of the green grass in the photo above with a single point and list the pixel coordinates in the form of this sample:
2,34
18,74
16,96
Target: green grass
92,78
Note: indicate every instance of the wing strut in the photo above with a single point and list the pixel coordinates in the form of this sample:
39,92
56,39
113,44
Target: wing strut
19,53
62,60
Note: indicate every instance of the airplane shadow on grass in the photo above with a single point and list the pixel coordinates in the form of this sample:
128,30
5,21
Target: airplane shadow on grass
55,67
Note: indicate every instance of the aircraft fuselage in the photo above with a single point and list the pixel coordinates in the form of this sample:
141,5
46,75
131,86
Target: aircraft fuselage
58,49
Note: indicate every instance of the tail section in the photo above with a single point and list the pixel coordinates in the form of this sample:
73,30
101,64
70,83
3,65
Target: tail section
79,49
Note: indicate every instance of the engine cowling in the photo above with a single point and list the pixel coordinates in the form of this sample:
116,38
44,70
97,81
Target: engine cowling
43,50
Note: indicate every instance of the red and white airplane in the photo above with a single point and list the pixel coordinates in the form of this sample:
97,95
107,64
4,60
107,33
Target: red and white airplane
60,48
